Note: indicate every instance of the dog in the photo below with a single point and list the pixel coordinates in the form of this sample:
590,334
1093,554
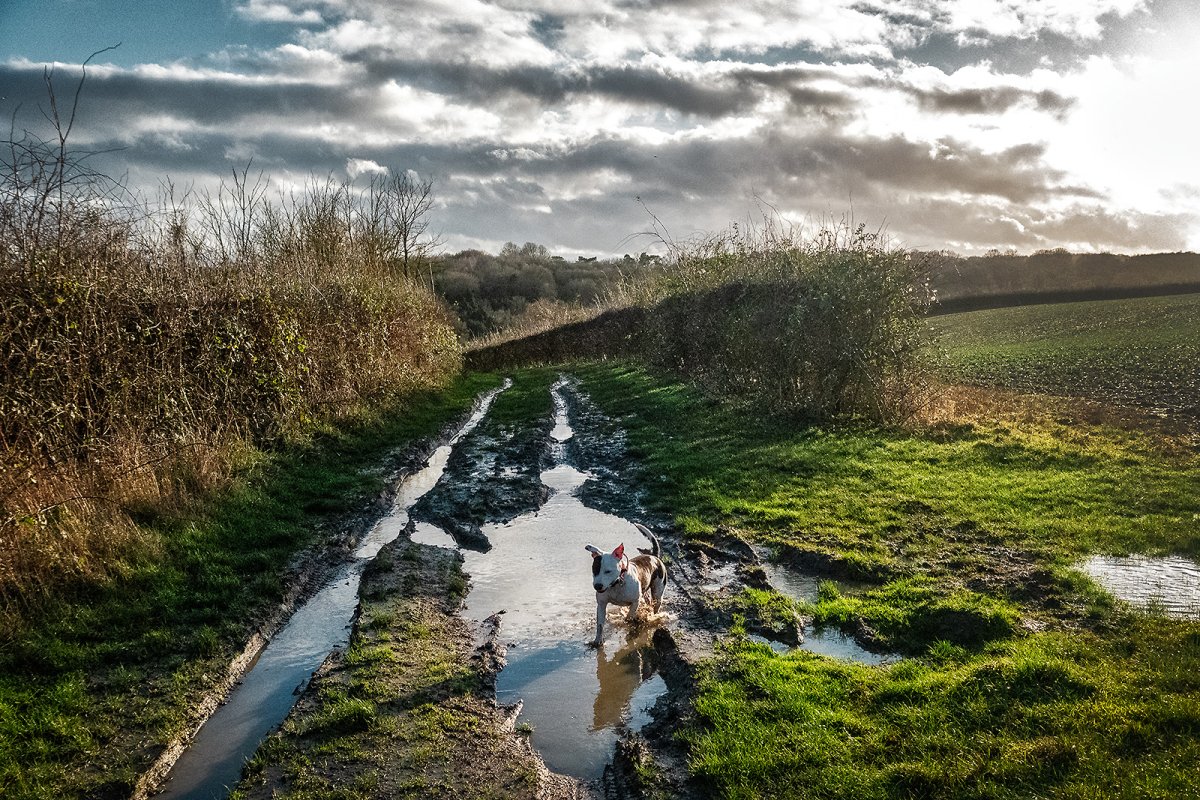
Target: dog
623,581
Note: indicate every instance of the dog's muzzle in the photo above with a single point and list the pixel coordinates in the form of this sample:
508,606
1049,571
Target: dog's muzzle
600,590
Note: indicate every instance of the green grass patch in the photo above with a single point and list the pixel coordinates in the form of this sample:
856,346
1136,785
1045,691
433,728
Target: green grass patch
914,613
96,675
900,498
1053,715
967,531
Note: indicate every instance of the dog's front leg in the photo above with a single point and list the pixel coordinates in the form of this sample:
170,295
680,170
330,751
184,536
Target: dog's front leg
601,610
633,607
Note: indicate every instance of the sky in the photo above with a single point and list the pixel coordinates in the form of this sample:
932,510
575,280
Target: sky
964,125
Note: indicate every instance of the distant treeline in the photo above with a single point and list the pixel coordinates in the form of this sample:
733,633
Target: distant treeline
1003,279
492,292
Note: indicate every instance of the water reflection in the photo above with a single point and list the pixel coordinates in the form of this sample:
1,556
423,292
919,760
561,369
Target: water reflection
620,676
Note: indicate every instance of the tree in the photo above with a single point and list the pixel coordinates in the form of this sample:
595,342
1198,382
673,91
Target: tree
399,206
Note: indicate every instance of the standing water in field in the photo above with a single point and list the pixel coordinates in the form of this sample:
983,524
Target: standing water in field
1170,584
213,761
577,700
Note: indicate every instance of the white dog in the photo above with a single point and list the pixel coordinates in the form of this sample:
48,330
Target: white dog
623,581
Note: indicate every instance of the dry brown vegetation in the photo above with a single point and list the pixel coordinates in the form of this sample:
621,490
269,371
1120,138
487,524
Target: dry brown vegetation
141,347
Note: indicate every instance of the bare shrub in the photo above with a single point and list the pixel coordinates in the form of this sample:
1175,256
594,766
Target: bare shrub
140,345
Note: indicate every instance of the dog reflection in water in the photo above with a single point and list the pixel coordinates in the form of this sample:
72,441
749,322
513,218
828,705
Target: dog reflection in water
620,675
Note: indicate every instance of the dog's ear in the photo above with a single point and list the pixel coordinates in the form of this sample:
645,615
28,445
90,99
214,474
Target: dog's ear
595,551
620,551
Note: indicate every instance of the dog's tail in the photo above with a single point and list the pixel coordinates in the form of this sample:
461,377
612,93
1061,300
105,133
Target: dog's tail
656,548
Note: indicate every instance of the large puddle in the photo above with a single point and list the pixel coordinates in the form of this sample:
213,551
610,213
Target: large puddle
1168,584
212,764
577,700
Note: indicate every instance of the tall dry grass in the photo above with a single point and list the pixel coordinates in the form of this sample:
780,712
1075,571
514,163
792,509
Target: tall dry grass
142,347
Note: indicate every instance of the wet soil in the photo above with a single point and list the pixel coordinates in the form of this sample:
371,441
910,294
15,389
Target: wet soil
493,476
578,700
407,624
309,573
306,574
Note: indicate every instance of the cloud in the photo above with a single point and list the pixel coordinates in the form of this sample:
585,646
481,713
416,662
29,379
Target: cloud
266,11
696,107
363,166
989,100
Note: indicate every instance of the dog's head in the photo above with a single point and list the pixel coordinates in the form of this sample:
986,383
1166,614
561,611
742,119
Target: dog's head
607,568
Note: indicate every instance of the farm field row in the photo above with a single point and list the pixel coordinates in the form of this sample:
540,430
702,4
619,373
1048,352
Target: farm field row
1142,352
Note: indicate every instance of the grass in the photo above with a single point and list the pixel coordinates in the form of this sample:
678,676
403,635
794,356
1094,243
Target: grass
99,678
1140,352
898,498
1052,715
966,529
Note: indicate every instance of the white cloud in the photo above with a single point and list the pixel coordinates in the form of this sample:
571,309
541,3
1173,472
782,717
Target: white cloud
988,19
363,166
267,11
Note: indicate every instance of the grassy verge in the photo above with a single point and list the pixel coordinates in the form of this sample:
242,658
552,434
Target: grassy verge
94,685
1051,715
965,531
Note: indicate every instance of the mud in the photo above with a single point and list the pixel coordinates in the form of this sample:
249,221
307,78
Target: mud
493,476
577,701
257,692
306,574
531,683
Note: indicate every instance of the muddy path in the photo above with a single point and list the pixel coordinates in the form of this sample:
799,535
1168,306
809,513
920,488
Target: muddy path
488,588
408,710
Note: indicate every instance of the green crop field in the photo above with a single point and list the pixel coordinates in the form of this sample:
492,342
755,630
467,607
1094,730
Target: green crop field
1142,352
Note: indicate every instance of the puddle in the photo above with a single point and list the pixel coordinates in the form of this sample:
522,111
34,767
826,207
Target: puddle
576,699
1170,583
831,642
835,644
212,764
794,583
